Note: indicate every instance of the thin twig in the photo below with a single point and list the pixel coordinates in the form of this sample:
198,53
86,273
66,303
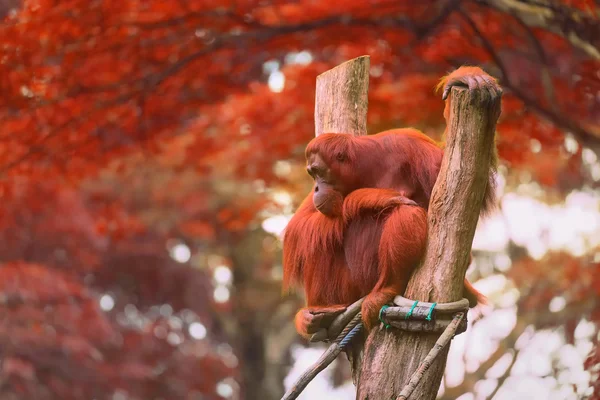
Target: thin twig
584,136
504,376
542,57
486,44
427,29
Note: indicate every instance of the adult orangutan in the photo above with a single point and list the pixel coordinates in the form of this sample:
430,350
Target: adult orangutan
363,228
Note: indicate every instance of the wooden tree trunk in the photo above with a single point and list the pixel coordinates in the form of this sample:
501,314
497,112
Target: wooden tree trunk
341,98
383,366
391,356
341,103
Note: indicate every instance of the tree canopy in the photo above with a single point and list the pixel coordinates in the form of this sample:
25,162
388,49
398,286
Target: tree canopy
131,131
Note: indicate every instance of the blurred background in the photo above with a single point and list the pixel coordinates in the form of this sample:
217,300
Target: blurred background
151,153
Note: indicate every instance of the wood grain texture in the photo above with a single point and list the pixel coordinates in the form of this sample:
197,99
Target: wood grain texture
341,98
326,358
341,103
435,326
440,344
453,307
390,356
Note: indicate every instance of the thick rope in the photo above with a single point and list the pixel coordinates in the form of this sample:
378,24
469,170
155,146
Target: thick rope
354,322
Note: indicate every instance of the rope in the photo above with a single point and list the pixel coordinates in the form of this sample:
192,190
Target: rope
343,339
354,322
353,328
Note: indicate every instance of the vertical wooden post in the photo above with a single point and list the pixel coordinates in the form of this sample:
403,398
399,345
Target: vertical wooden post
383,366
341,100
341,103
390,357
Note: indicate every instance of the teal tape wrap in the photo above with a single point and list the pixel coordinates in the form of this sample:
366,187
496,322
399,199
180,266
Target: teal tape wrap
385,307
409,314
430,312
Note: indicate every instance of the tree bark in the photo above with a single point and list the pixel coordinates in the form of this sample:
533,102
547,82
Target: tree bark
384,365
341,103
341,100
391,356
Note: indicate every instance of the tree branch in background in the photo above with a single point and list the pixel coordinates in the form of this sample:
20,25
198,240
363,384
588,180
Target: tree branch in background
584,136
524,321
505,375
580,29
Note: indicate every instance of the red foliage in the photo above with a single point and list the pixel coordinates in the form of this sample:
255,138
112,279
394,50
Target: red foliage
104,87
56,341
84,82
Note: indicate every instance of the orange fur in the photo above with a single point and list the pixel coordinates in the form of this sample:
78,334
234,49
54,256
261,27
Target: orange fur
464,76
404,160
371,199
309,320
401,248
377,235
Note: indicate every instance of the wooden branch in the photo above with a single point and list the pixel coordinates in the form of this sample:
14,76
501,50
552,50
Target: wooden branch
342,320
341,107
326,358
442,316
418,313
341,98
504,376
390,358
339,323
574,25
440,344
453,307
533,318
434,326
349,332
